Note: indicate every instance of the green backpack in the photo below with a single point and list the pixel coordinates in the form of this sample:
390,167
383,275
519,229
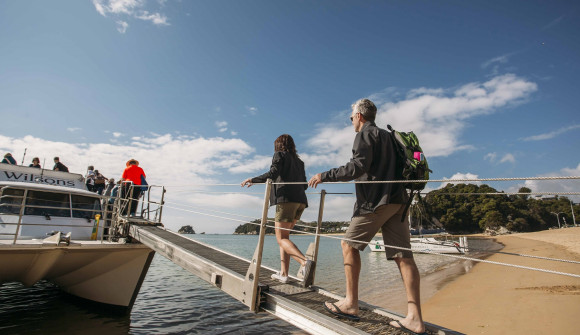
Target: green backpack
413,164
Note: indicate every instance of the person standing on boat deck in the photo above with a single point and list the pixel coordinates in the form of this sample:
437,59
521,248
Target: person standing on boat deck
35,163
58,166
290,201
90,178
377,206
134,174
8,159
99,182
110,186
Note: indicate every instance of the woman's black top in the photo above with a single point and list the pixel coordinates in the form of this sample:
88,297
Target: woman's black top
286,167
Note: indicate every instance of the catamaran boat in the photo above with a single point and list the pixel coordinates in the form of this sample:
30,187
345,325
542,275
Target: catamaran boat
429,244
52,228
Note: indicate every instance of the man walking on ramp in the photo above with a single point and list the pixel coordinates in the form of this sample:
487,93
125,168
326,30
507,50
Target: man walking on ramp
379,205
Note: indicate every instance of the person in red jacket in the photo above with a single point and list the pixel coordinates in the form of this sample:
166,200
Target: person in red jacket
134,174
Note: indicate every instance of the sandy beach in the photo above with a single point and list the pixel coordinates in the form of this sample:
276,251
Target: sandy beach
494,299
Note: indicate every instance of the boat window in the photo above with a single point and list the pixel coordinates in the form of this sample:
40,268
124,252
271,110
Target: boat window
47,203
85,207
10,200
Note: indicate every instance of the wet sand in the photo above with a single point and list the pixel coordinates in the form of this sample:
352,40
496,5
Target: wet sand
494,299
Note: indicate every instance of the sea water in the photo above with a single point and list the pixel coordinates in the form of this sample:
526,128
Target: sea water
173,301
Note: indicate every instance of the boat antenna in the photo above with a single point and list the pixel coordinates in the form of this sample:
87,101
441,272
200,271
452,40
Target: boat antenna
42,169
23,156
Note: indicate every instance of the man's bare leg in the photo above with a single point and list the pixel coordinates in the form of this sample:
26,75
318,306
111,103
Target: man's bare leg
411,280
351,258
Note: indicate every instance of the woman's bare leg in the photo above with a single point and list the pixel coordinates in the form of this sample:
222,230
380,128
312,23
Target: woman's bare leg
287,248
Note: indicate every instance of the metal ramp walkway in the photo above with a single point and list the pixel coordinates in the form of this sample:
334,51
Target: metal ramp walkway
302,307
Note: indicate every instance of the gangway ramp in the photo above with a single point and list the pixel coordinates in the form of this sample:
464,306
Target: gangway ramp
302,307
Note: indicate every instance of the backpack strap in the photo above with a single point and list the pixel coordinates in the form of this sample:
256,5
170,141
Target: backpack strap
407,206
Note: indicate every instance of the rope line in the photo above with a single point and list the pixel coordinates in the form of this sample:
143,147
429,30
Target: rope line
399,248
397,181
240,215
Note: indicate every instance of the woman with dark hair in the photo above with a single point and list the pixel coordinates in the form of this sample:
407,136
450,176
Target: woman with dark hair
290,201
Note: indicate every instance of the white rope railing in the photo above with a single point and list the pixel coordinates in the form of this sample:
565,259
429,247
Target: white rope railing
240,215
397,181
400,248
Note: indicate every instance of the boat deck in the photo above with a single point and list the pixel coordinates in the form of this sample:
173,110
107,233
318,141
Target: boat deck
300,306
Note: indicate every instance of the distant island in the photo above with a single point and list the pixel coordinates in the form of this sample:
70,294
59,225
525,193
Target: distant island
253,227
186,230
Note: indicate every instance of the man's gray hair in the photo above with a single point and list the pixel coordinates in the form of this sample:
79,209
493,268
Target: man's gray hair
366,108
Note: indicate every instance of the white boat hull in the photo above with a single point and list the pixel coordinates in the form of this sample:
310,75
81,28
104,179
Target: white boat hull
109,273
429,244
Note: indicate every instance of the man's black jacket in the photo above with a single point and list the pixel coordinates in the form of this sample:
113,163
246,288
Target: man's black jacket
286,167
373,158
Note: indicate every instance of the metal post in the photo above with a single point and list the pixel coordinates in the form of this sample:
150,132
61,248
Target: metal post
572,209
318,226
129,198
106,221
148,202
161,203
250,289
20,215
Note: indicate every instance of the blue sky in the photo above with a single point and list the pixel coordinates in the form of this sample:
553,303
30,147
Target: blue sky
197,91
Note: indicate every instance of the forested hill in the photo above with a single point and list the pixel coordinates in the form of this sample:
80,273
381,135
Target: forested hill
468,208
462,208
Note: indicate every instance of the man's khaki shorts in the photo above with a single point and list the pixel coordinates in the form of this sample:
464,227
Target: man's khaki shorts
395,233
289,211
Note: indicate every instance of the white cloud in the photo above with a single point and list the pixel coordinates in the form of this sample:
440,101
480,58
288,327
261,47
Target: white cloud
563,185
553,23
499,59
252,110
460,176
336,208
73,129
117,134
438,117
508,158
126,9
255,164
156,18
492,157
105,7
122,26
233,133
222,126
166,160
552,134
179,163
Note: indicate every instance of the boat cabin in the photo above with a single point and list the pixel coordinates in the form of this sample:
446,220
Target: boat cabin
36,203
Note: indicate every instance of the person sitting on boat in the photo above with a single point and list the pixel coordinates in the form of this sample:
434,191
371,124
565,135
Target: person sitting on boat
58,166
35,163
134,174
290,201
8,159
377,206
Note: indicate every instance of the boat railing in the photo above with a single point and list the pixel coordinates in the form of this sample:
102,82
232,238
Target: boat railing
148,211
16,201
